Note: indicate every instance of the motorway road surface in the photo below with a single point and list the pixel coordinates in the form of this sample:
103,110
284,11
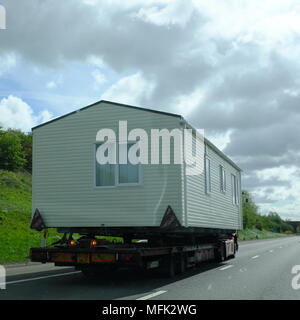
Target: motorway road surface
261,270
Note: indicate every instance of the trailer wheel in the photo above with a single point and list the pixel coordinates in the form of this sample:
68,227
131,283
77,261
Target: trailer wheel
168,266
171,267
182,266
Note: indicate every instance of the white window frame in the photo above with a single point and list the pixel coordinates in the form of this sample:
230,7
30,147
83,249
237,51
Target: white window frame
222,179
207,175
234,188
116,184
118,170
96,144
237,191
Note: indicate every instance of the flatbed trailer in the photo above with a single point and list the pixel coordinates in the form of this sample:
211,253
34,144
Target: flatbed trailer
91,255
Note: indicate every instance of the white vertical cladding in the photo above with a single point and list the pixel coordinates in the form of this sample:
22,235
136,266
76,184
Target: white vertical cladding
214,209
63,171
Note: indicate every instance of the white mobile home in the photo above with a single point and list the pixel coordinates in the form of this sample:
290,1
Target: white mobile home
72,190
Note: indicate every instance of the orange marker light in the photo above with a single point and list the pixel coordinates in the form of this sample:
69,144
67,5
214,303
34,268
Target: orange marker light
93,243
72,243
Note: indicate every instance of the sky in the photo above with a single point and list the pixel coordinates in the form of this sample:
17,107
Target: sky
229,67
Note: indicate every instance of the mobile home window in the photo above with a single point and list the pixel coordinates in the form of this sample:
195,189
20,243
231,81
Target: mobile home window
222,179
105,173
237,192
207,176
128,173
234,184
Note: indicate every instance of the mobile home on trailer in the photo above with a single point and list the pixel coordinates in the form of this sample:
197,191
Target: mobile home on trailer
75,193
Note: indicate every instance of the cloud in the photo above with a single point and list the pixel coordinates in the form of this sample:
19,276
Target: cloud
17,114
186,103
7,62
99,79
220,140
174,12
280,196
51,85
130,90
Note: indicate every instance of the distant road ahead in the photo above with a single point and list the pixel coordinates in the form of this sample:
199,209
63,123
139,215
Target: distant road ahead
261,270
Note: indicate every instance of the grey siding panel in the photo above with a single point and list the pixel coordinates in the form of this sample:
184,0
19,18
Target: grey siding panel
213,210
64,178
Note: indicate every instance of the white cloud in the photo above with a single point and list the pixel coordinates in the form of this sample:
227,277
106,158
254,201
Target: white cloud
266,22
7,62
173,12
96,61
17,114
284,200
129,90
99,79
51,85
185,104
54,83
44,116
220,140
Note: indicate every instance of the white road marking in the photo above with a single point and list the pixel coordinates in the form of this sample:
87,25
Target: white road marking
271,250
149,296
255,257
45,277
227,267
209,287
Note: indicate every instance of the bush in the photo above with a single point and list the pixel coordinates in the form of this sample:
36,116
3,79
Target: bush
15,150
12,156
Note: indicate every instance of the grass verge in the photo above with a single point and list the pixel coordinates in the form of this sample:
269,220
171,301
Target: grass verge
16,238
253,234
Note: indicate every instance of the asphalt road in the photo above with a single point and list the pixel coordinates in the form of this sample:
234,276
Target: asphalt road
261,270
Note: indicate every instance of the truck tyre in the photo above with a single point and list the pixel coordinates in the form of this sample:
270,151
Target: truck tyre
171,267
182,265
168,267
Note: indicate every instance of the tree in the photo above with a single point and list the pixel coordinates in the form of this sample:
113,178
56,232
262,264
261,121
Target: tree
250,210
26,142
12,156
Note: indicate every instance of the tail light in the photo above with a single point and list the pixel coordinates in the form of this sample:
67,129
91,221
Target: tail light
93,243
